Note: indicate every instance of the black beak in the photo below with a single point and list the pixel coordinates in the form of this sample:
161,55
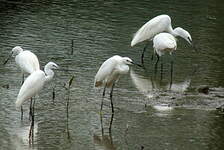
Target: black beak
66,70
10,55
137,64
193,45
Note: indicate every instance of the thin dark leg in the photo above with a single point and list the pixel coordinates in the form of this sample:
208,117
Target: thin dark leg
31,105
111,122
21,113
101,122
22,79
67,106
104,89
111,95
101,108
110,127
161,71
156,63
152,57
32,124
143,52
171,74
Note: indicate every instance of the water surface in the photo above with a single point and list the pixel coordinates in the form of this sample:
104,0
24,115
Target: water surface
148,114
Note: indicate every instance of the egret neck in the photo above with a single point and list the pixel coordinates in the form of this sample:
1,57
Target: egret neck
49,73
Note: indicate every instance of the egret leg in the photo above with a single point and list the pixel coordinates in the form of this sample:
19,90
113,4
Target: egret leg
152,56
22,79
30,113
21,113
161,71
171,74
110,127
111,122
156,63
143,52
101,108
111,95
104,89
32,123
101,123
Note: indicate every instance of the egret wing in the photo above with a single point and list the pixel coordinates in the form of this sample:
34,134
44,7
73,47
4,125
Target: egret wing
32,85
151,28
164,41
105,71
28,62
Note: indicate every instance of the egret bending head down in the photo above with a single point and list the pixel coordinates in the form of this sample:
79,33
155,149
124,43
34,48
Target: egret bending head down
26,60
156,25
109,74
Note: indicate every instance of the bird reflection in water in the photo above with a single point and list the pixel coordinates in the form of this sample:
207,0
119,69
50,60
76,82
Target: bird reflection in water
105,141
148,86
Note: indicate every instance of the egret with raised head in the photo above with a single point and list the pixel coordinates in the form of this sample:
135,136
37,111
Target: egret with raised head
32,86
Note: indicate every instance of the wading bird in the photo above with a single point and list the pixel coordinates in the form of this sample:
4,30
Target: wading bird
162,43
27,62
32,86
156,25
109,74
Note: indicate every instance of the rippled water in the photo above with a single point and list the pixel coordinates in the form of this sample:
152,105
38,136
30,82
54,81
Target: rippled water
180,118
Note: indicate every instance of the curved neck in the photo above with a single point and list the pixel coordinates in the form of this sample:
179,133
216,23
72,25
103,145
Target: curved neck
173,32
49,73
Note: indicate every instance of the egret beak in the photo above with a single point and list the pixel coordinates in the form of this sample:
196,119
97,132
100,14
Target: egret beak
10,55
66,70
57,67
193,45
137,64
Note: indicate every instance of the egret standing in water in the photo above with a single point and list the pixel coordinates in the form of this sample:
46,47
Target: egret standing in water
156,25
32,86
109,74
162,43
27,62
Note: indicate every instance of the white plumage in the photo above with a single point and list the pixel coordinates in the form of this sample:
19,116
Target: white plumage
34,83
111,69
164,42
26,60
156,25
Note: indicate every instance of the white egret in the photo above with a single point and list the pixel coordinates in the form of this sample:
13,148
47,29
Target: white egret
164,42
156,25
27,62
32,86
109,74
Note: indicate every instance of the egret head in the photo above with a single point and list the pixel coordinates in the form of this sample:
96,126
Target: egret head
127,61
16,50
184,34
51,65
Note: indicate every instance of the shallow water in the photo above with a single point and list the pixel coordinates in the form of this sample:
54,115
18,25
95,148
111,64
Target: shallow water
147,113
